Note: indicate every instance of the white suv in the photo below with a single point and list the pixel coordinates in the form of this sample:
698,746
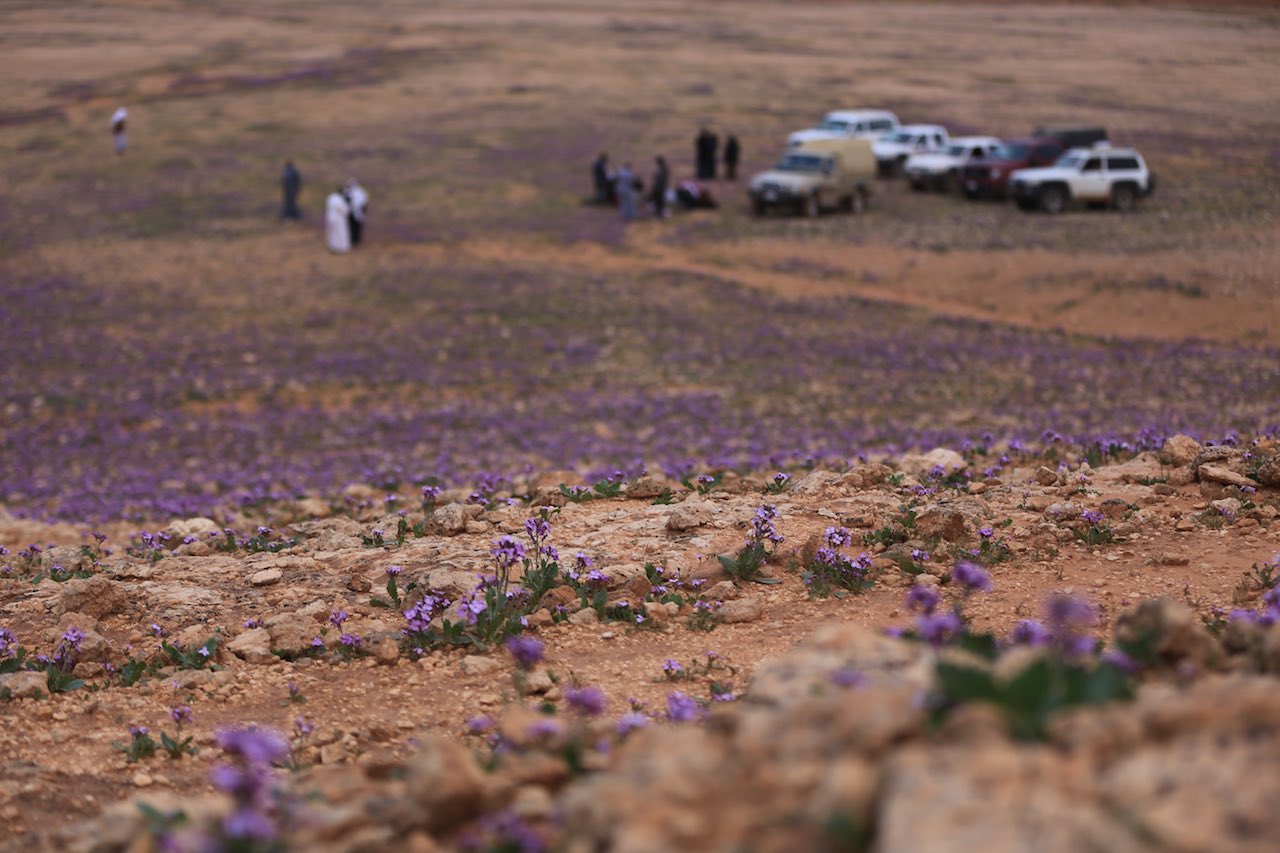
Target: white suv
857,124
940,170
893,150
1115,177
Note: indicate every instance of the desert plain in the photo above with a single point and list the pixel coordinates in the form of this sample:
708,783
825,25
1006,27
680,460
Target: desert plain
1084,405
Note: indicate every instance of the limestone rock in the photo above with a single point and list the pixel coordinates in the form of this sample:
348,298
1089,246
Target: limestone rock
941,521
1220,455
450,519
253,646
920,465
1179,450
740,610
24,684
99,596
646,488
266,577
864,476
1215,473
452,582
478,665
1269,471
1046,476
292,631
1175,633
445,783
689,515
387,652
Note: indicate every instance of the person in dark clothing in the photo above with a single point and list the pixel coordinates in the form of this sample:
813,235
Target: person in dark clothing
602,180
658,193
713,154
291,183
732,151
705,162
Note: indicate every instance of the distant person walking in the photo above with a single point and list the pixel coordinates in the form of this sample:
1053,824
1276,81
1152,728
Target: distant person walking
732,151
337,225
118,129
658,192
602,180
358,201
700,149
624,187
291,185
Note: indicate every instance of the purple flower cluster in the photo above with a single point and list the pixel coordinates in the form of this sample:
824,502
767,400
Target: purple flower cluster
587,701
526,651
249,780
762,527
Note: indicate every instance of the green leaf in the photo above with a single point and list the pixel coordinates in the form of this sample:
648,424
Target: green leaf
966,684
766,580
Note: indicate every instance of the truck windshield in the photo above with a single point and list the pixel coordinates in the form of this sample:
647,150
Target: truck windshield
956,150
800,163
1069,161
1011,152
833,124
901,138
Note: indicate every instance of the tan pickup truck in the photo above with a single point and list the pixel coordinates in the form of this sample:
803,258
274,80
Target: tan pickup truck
819,175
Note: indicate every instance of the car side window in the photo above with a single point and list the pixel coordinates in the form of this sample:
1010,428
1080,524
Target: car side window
1094,164
1120,164
977,152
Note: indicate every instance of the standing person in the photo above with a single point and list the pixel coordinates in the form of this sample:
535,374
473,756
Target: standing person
291,184
658,193
732,151
358,200
602,179
117,129
713,154
700,146
624,186
337,227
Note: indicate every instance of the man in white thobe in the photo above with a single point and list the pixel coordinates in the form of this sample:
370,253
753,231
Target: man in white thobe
359,201
337,228
117,128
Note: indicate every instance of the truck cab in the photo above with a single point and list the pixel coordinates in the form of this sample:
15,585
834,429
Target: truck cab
817,176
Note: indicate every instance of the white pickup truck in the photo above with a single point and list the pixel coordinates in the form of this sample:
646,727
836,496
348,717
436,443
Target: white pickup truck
893,150
847,124
1101,175
940,170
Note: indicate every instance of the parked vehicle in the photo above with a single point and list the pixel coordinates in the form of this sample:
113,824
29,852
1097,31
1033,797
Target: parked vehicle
857,124
1073,136
989,177
1114,177
820,174
941,170
893,150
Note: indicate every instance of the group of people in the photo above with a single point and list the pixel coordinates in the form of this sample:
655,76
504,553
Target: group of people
624,190
344,215
344,210
706,152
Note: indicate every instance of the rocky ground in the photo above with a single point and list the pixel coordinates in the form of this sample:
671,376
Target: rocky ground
797,720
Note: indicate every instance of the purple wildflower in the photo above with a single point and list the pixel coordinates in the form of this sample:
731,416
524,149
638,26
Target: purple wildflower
683,709
526,650
1030,632
587,701
182,715
972,578
922,599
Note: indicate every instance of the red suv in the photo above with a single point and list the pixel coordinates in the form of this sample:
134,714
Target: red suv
990,177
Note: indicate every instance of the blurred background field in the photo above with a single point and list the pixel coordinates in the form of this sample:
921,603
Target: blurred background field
169,347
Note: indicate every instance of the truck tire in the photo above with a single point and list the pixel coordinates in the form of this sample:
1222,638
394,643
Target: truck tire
1123,197
1053,199
811,206
859,200
950,182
